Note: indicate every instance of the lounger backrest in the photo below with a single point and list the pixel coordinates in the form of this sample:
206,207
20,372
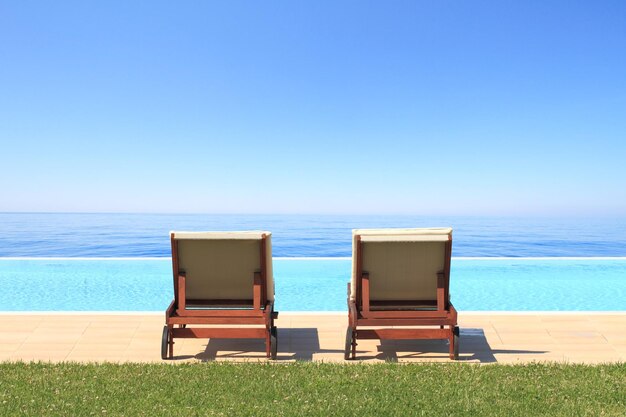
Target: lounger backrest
402,263
221,265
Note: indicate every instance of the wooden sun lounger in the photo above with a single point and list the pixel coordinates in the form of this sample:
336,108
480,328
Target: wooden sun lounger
221,278
401,277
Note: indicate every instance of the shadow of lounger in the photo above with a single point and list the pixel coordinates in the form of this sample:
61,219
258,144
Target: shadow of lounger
473,347
293,344
303,343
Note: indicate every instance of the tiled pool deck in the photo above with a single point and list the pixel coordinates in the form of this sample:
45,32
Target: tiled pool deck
485,338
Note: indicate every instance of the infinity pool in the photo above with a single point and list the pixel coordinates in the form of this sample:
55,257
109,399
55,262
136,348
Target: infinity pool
314,284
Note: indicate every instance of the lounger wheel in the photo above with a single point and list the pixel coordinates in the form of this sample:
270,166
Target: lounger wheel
457,334
273,342
165,342
348,351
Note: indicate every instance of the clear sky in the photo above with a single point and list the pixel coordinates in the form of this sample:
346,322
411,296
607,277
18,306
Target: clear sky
416,107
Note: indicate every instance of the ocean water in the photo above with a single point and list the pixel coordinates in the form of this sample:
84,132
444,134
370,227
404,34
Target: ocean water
99,262
147,235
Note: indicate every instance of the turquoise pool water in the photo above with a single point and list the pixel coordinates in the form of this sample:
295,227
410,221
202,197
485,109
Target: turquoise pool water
314,284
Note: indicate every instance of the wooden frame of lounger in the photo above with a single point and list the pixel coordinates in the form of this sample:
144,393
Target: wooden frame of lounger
258,311
438,316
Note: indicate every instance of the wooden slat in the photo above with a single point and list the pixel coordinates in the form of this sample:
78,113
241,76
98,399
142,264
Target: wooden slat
215,320
219,302
403,303
254,333
403,334
220,313
408,322
404,314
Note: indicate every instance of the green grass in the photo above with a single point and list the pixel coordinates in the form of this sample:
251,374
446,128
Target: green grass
316,389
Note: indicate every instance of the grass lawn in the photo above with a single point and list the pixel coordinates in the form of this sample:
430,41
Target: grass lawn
316,389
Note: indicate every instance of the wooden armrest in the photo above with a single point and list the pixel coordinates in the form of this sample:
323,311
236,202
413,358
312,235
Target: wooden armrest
256,297
441,291
182,296
365,291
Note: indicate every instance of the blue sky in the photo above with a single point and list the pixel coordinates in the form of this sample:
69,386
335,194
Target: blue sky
470,108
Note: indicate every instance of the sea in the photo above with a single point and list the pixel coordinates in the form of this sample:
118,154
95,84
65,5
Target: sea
116,235
120,262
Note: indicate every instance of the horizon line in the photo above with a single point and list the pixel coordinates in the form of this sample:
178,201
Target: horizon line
158,213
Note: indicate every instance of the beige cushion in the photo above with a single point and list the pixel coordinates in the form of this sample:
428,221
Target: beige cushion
251,235
402,263
221,265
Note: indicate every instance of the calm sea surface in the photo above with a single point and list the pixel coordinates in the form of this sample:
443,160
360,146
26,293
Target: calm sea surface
593,283
147,235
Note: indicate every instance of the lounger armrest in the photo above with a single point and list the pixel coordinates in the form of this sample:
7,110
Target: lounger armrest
352,314
365,291
269,313
170,310
441,291
181,286
256,292
349,295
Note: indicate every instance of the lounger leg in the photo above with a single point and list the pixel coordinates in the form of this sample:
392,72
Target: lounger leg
457,336
171,341
269,325
354,344
451,338
267,342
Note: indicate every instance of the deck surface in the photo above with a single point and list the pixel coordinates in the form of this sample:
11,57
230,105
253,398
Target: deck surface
485,338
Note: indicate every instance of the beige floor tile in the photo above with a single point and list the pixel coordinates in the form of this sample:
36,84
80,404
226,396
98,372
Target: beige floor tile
19,326
518,338
42,355
9,347
530,358
592,359
110,344
104,339
13,337
52,338
21,318
586,349
619,346
574,332
36,356
484,338
108,333
53,347
94,358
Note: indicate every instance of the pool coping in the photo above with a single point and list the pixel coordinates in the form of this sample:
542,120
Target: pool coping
313,258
